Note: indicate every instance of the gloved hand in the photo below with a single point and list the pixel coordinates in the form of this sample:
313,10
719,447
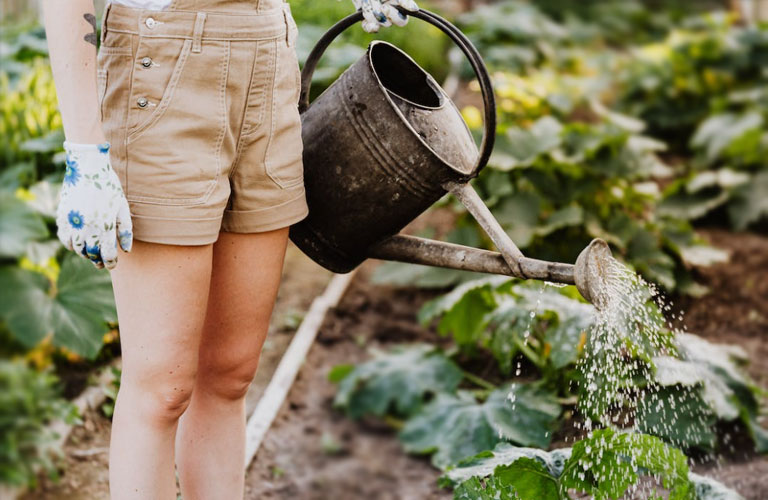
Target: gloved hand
377,13
93,212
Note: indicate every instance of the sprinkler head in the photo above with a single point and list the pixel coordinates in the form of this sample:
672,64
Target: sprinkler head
591,272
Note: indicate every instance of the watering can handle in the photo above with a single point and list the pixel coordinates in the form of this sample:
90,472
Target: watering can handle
469,50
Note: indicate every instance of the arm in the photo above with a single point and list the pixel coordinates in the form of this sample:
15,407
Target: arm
70,26
92,215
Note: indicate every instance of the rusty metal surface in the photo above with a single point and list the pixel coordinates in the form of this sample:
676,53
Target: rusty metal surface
416,250
368,172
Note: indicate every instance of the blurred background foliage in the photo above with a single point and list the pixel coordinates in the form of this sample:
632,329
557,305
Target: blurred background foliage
631,120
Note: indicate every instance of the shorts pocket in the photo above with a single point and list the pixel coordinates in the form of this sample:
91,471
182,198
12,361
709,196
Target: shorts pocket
173,154
157,67
283,159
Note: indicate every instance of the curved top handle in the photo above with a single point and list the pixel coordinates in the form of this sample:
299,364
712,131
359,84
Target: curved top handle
469,50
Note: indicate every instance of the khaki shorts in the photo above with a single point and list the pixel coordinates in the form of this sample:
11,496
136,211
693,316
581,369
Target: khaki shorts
201,110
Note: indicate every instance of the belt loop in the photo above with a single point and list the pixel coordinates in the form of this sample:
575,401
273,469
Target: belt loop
104,22
198,34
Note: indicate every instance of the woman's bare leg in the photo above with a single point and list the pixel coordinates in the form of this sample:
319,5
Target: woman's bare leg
161,293
210,443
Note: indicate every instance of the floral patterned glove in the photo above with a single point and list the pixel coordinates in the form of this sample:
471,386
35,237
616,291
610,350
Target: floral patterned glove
377,13
93,211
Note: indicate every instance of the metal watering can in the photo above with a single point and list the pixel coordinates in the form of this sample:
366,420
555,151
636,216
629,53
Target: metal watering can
382,144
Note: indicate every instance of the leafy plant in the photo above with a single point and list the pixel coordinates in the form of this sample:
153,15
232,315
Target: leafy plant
29,401
545,324
604,465
73,308
397,381
452,427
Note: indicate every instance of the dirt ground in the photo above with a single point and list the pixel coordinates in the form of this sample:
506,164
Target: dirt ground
313,452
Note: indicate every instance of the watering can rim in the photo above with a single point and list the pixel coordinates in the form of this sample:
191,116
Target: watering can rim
469,50
446,101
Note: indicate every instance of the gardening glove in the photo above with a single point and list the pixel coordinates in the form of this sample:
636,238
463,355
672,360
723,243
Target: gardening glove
93,212
377,13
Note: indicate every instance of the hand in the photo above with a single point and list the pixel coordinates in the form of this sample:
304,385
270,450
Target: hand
377,13
93,212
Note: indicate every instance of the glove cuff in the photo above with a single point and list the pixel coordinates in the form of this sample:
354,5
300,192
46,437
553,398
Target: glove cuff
74,147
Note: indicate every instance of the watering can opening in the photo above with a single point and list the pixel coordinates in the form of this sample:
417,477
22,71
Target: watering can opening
424,107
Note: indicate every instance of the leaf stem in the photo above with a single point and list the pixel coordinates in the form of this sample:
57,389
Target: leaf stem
480,382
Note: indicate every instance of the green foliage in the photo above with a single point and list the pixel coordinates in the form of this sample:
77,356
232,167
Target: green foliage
604,465
555,186
108,406
545,324
397,381
29,401
452,427
19,226
73,308
703,386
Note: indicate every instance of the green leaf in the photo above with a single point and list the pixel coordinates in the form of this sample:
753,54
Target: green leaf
606,464
483,464
521,147
19,225
678,415
74,310
473,489
528,479
750,202
399,380
519,215
450,301
717,132
454,427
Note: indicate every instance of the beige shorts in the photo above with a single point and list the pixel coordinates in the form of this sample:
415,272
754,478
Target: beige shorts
201,110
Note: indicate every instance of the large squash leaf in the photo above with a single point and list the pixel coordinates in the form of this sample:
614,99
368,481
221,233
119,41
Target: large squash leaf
19,225
453,427
397,381
74,309
604,465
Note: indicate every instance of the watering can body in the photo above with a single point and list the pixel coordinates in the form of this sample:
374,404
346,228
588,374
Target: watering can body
379,145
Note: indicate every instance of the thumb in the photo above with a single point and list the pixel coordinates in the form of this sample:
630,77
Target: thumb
125,227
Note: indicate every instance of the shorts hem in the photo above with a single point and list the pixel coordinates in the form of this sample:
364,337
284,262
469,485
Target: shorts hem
171,231
266,219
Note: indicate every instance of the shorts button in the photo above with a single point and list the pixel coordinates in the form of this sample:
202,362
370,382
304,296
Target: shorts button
146,62
150,22
142,102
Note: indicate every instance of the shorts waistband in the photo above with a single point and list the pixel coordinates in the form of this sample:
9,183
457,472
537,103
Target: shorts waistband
249,25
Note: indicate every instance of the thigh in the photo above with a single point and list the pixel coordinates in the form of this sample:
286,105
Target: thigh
244,281
161,292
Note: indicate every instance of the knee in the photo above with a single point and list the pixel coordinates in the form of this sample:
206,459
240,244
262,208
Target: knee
228,379
162,399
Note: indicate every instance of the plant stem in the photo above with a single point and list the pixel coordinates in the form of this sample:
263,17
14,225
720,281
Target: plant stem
479,381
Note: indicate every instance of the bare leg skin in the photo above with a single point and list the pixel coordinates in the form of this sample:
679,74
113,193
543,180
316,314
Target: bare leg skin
210,443
161,293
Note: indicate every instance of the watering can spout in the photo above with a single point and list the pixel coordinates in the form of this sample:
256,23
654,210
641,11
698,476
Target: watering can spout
589,274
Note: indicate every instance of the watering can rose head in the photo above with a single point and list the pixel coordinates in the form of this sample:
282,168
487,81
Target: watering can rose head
378,13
